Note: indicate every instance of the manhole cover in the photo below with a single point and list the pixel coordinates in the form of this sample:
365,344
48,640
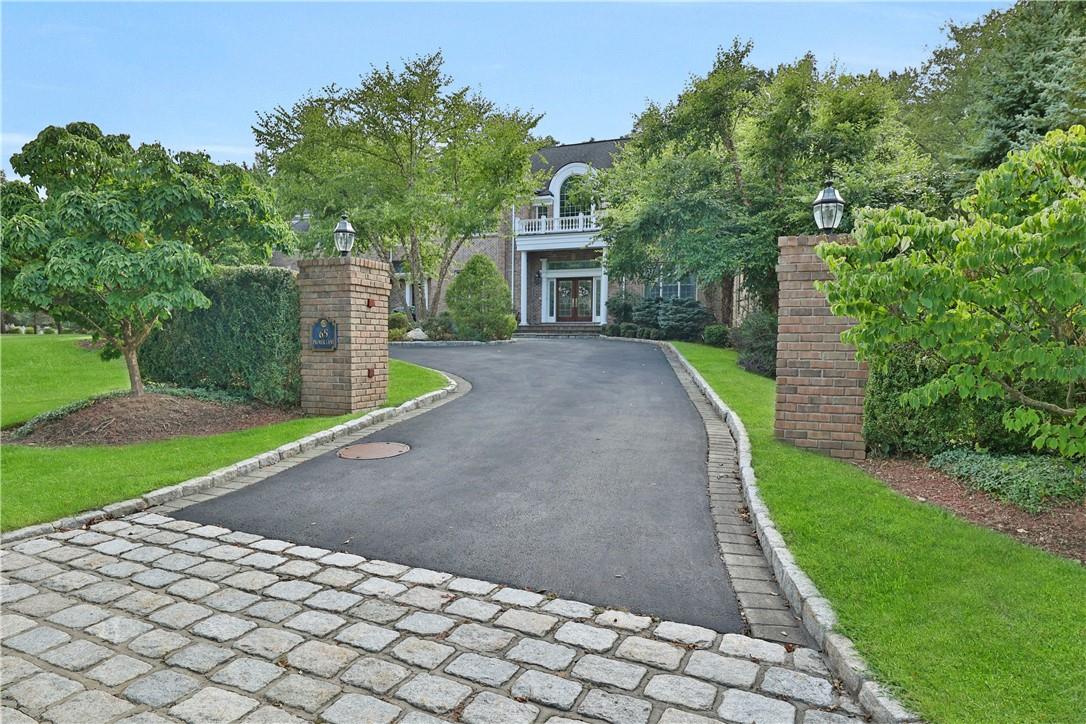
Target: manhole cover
373,450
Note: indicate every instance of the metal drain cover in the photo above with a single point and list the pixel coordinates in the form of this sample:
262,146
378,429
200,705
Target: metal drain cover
373,450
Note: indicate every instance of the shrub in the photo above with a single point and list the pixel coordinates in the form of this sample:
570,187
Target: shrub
612,330
627,329
479,301
646,313
440,327
683,318
247,340
48,330
716,335
644,332
620,307
756,341
1029,481
396,334
893,427
657,334
398,320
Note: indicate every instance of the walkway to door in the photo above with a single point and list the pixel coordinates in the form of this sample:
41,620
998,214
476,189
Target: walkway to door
573,466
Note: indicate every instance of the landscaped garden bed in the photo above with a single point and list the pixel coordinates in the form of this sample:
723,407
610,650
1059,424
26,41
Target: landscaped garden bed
43,483
962,622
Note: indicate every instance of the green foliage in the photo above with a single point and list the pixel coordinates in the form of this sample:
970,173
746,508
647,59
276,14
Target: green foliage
683,319
716,334
399,320
646,312
756,341
123,235
620,306
657,334
1031,482
246,340
893,427
645,332
1000,84
707,183
479,301
440,327
628,329
419,165
995,294
396,334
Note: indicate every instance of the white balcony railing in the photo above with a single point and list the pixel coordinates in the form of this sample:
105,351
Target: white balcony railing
550,225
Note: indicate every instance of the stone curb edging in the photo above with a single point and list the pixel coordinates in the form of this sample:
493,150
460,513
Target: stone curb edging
223,475
815,611
448,343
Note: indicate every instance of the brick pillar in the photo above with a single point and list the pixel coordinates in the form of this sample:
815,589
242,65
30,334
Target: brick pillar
353,293
820,384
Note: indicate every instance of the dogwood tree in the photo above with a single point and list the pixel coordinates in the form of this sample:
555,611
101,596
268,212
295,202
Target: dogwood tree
119,236
997,293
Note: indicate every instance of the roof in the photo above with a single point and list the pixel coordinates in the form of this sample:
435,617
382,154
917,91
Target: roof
596,154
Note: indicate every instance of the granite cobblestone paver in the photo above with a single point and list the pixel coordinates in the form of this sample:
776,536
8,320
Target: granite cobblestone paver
338,638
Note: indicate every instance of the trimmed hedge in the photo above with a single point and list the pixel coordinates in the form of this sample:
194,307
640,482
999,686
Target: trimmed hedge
756,341
716,335
893,428
247,340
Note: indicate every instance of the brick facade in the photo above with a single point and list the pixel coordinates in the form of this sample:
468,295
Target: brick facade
820,384
352,292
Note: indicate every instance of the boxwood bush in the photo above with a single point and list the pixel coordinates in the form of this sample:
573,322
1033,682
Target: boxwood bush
716,335
628,329
246,341
440,327
1029,481
756,341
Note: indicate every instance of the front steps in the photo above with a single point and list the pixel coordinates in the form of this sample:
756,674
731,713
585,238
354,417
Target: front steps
562,329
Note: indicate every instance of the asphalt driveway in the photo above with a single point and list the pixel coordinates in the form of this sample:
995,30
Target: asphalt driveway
575,466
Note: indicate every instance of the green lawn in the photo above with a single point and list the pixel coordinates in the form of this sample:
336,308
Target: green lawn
42,372
42,484
966,625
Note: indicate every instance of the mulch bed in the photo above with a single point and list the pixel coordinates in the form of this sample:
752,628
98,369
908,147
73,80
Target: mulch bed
1059,530
126,420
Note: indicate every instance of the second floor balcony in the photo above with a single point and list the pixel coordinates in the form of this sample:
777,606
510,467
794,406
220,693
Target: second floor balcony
557,225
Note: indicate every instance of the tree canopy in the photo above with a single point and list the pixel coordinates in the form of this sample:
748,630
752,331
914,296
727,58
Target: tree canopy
119,236
420,166
996,294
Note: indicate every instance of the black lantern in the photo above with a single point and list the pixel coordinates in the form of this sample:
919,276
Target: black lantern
828,209
343,235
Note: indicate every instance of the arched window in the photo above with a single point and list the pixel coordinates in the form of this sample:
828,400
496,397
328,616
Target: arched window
575,196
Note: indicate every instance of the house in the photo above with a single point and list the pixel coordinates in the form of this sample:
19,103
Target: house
551,253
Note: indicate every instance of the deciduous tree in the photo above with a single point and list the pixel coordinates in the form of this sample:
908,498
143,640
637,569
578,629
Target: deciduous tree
120,235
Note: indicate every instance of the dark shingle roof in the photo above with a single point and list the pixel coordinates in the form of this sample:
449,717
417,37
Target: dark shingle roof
595,153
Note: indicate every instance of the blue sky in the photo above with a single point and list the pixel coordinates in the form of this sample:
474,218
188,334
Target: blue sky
192,75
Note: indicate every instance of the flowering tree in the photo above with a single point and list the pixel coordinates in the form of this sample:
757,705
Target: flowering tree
121,235
997,293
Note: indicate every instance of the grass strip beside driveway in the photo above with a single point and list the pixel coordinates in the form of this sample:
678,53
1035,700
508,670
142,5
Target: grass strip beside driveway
966,624
39,484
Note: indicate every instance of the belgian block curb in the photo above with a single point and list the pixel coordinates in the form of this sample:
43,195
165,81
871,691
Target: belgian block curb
223,475
447,343
813,609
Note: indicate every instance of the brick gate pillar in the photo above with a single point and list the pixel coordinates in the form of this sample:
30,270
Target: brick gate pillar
344,371
820,384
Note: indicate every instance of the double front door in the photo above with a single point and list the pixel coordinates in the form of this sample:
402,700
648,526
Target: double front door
574,302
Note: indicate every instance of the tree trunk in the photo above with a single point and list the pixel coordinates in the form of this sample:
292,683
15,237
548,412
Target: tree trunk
727,300
133,364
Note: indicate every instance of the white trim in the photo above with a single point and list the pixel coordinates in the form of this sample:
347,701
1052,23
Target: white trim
559,242
576,168
523,288
599,285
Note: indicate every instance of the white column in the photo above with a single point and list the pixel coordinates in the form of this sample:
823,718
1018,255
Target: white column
523,288
603,295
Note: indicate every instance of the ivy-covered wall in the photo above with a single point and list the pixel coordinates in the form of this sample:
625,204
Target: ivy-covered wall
247,340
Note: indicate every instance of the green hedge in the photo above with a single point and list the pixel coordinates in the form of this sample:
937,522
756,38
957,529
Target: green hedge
479,302
756,341
247,340
891,427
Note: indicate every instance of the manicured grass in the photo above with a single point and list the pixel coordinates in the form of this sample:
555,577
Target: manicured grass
42,372
42,484
965,624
